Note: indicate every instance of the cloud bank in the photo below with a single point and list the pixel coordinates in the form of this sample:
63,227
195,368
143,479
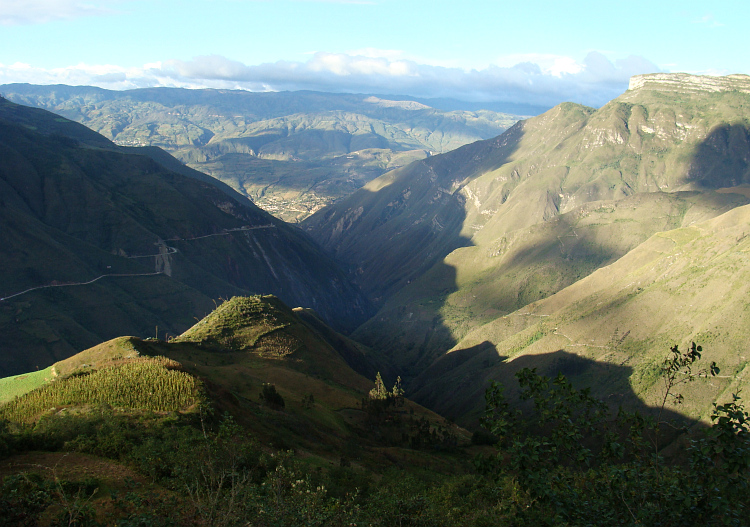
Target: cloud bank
543,80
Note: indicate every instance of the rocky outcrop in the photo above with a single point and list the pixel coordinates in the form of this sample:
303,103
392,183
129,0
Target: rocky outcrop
693,83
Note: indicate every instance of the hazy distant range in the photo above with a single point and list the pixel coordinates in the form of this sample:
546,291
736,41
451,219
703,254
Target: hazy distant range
290,152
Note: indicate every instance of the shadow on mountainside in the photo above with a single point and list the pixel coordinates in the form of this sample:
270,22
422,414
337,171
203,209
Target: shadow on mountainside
455,384
722,159
98,242
520,268
402,224
394,235
539,266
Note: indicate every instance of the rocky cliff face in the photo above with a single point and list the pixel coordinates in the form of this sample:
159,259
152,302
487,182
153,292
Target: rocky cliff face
683,82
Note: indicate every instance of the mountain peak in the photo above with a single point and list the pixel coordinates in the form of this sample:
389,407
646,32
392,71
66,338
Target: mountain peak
688,82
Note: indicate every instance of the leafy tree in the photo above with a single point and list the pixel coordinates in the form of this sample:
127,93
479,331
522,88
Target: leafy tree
271,397
379,392
398,393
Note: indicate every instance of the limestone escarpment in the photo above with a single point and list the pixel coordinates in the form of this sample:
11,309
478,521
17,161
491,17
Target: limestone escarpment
685,82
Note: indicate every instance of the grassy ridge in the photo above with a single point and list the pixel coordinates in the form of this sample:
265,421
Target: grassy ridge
238,324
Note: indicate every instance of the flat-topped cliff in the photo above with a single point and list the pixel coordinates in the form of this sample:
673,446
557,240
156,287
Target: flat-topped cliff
687,82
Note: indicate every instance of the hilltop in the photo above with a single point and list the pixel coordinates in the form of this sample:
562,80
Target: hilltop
225,364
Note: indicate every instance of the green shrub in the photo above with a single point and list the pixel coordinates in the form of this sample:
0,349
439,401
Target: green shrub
271,397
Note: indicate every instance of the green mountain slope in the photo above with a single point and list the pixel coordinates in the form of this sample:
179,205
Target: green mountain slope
682,285
477,284
224,362
291,152
99,241
500,219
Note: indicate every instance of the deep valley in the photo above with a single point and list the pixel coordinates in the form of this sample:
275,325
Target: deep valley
320,309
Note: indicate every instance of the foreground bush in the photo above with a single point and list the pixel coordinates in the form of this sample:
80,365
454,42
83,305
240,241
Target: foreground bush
569,462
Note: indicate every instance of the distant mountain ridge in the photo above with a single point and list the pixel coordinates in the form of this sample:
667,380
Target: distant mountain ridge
291,152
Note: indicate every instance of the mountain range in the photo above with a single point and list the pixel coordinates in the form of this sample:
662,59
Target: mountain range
563,283
100,240
454,247
290,152
586,241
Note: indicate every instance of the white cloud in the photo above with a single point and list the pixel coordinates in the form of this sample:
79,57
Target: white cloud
21,12
555,65
708,20
530,79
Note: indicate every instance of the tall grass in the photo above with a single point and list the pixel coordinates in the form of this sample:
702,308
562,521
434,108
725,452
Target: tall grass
144,383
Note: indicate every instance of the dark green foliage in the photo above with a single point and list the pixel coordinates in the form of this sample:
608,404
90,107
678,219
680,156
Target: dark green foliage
567,461
573,464
133,509
23,498
483,437
678,369
271,397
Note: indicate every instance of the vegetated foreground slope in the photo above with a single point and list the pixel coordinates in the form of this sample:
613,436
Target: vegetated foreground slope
227,362
98,241
301,451
457,240
291,152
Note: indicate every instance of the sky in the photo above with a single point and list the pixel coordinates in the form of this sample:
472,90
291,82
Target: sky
529,52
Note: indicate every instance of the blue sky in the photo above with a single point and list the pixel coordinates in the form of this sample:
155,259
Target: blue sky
536,52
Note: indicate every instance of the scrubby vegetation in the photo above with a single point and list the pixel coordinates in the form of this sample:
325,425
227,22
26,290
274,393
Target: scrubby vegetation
566,461
574,465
